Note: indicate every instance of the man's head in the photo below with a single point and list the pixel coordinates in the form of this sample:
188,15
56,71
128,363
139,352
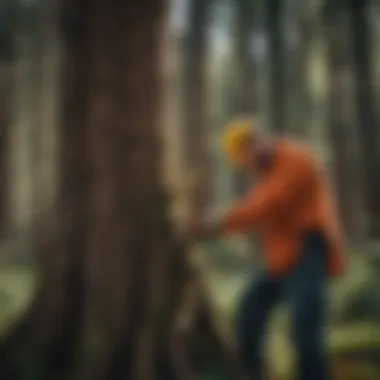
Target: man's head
245,146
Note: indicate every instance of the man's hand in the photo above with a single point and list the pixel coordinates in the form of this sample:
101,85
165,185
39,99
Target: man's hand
201,229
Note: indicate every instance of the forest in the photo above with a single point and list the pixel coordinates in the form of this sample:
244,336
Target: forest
110,114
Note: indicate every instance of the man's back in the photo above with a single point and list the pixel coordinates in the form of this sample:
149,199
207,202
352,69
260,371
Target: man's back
291,198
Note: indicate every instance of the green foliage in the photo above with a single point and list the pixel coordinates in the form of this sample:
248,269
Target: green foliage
5,299
360,301
16,287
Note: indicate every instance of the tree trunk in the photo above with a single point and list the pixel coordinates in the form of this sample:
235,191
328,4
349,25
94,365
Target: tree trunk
118,297
175,175
245,96
301,27
278,117
197,156
368,128
336,36
6,89
245,91
28,53
7,67
44,121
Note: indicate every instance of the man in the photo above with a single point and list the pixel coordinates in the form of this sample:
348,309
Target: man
291,209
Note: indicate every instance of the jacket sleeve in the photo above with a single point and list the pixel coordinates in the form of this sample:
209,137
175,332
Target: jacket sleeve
274,195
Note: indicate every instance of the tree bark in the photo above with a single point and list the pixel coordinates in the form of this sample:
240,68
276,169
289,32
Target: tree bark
367,125
118,297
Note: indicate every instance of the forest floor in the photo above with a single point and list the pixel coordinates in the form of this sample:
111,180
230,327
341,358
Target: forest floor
17,285
226,289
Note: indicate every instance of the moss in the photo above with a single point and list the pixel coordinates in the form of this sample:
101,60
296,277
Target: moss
355,337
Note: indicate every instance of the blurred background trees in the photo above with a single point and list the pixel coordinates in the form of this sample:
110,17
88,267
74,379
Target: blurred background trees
81,122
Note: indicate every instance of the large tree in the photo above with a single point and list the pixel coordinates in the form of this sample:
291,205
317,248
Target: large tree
118,298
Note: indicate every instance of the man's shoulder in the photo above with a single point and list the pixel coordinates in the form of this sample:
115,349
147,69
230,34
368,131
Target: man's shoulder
296,156
297,150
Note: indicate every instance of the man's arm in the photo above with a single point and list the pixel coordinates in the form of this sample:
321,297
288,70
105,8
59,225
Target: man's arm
279,191
206,228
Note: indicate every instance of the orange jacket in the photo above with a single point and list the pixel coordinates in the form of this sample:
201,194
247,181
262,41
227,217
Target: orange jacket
290,199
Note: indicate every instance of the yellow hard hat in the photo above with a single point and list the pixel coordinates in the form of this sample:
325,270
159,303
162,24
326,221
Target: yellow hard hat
235,133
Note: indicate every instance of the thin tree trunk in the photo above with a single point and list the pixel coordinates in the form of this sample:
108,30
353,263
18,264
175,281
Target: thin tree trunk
245,91
7,87
278,117
44,123
119,298
195,108
368,127
245,96
302,26
173,153
336,36
27,85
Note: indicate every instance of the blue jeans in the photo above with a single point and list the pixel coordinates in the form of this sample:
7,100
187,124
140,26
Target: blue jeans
303,290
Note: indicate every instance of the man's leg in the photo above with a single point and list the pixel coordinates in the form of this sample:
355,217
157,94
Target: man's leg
305,289
256,304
